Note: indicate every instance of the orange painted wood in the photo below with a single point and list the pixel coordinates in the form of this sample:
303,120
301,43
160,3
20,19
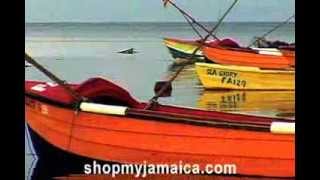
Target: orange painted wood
162,177
130,140
235,56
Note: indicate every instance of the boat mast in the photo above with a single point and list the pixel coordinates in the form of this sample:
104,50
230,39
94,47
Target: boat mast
167,84
271,30
191,19
54,78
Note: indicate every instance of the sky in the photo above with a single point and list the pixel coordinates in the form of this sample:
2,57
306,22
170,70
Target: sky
153,10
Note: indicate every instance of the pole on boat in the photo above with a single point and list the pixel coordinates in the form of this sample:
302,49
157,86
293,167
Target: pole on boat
186,15
164,85
273,29
194,28
54,78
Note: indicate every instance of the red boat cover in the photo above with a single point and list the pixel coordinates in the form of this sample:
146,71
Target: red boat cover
93,88
224,42
108,92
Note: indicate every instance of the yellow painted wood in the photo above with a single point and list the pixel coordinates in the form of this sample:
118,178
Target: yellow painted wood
185,47
216,76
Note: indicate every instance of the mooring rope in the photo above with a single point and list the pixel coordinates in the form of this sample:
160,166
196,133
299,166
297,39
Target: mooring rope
154,99
271,30
192,26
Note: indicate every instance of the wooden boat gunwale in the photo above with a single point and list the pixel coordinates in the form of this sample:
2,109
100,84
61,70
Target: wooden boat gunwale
247,52
237,56
193,42
180,52
248,68
263,123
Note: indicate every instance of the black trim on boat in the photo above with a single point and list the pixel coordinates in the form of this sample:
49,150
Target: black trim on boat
178,54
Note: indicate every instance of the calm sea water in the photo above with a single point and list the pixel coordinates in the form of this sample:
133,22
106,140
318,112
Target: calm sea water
77,51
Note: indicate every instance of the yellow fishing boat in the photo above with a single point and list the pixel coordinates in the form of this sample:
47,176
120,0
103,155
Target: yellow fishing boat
217,76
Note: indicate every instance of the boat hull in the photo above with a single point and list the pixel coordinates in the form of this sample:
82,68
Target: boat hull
183,49
267,59
50,159
47,152
215,76
131,140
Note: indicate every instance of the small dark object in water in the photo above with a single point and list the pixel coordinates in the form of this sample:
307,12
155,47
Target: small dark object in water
128,51
27,65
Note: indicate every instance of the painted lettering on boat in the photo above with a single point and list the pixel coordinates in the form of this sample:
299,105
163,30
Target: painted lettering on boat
227,77
230,80
39,87
215,72
42,87
228,74
212,72
43,109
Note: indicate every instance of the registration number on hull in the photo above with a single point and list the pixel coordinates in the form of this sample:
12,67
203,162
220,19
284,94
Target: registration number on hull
227,77
43,109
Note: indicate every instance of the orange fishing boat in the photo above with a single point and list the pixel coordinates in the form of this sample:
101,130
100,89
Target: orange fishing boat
111,125
262,58
291,54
